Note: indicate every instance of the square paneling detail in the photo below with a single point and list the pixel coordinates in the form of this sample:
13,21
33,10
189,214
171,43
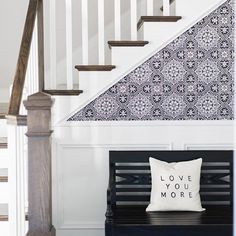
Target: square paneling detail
209,146
81,183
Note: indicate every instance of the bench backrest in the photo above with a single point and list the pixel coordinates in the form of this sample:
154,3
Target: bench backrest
130,178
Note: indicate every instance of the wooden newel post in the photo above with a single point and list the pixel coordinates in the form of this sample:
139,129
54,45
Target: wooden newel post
39,132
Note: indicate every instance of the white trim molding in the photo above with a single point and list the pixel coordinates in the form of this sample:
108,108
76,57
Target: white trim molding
208,146
146,123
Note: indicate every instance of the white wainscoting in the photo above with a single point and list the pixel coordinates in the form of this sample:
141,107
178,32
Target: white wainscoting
80,163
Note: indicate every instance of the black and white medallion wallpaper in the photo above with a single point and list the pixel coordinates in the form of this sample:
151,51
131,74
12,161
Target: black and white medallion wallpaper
190,79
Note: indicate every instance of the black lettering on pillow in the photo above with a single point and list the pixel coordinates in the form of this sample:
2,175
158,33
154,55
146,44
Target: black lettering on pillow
186,186
171,178
181,177
163,194
177,186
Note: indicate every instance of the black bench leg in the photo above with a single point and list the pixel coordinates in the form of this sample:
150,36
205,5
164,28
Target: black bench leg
108,230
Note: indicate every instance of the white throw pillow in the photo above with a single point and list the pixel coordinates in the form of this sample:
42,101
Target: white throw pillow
175,186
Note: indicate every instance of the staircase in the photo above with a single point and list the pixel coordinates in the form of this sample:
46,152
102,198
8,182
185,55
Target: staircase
149,33
125,55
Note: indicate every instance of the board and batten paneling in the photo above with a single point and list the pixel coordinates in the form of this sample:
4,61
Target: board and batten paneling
80,162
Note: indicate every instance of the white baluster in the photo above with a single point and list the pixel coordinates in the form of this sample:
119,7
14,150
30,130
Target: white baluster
69,48
166,7
85,32
101,32
117,20
31,79
33,61
150,7
53,53
17,184
34,50
133,7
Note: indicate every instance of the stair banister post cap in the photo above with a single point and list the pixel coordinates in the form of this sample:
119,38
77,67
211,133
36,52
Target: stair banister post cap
39,96
39,100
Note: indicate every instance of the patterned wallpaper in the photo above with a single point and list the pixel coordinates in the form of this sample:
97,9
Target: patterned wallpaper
190,79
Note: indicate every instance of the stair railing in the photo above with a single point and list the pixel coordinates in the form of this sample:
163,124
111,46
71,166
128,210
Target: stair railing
30,59
28,79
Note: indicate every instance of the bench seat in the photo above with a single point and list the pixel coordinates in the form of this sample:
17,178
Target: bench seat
134,221
129,193
136,215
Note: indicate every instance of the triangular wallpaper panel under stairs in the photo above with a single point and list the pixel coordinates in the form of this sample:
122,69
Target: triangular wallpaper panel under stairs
190,79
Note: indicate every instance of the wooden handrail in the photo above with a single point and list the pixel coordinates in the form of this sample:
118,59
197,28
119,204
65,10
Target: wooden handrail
20,74
40,45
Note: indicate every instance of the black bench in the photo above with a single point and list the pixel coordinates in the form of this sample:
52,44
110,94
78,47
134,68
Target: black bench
129,193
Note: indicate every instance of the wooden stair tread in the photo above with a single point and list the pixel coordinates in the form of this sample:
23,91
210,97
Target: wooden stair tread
3,217
3,179
3,115
3,143
3,212
157,19
127,43
3,175
62,92
95,67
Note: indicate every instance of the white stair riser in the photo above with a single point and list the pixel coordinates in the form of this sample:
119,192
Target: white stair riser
93,80
4,192
3,128
4,158
123,57
164,39
4,228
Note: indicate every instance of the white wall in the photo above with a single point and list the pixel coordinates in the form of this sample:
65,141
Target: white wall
80,164
4,95
12,17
